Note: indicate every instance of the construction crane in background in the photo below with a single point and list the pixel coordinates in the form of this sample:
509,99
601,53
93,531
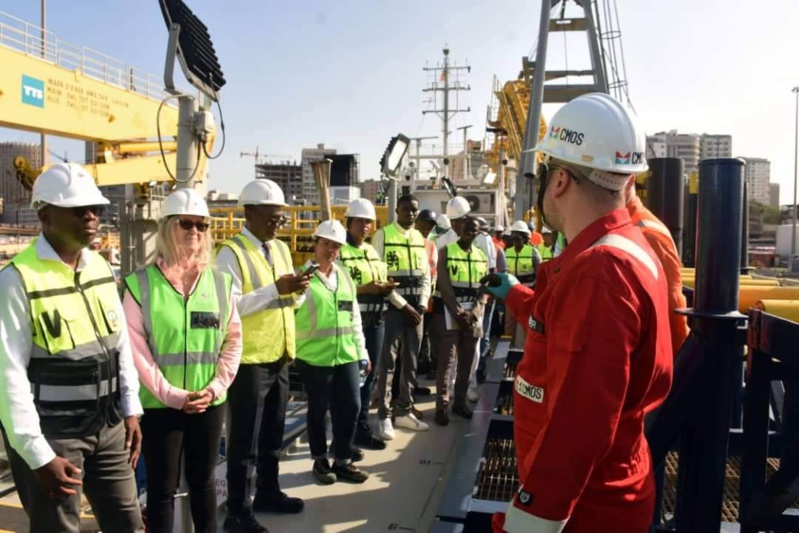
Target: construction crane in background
258,156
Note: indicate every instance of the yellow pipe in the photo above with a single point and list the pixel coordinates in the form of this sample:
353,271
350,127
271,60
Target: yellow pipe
788,309
691,282
749,295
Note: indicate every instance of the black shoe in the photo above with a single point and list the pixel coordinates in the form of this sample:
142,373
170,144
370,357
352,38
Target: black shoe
356,454
462,410
277,504
366,438
442,417
243,523
422,391
481,376
349,473
323,473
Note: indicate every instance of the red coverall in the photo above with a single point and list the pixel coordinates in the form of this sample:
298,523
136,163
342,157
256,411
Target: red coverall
597,358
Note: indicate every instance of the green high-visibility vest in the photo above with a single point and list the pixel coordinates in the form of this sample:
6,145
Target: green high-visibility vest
268,334
325,336
74,362
405,257
364,266
184,336
466,268
521,264
544,251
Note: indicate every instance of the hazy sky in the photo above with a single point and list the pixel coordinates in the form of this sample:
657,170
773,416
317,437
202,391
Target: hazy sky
348,73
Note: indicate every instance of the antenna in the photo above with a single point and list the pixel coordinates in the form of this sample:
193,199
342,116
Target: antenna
443,85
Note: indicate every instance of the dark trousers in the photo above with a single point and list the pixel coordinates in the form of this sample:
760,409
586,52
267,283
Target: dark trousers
108,482
336,387
402,340
485,340
374,343
169,435
256,417
455,348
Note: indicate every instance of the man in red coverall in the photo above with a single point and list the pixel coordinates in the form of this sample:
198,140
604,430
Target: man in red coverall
598,354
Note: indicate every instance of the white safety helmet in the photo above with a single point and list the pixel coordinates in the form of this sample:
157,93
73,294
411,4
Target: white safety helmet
185,202
520,226
499,227
361,208
331,230
458,207
262,192
598,132
442,221
66,185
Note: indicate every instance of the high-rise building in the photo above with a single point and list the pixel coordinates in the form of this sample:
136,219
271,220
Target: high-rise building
774,194
758,171
287,175
715,146
309,191
371,189
16,198
686,146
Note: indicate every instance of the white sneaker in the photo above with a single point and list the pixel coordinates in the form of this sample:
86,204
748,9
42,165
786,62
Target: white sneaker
385,429
409,421
472,395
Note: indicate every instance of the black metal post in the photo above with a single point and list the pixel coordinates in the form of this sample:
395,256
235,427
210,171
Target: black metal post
689,236
703,448
745,233
664,194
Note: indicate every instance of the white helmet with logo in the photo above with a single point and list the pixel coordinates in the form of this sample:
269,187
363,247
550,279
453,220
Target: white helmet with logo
597,132
185,202
331,230
361,208
520,226
262,192
66,185
458,207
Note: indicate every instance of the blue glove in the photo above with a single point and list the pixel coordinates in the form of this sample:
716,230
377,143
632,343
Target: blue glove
499,284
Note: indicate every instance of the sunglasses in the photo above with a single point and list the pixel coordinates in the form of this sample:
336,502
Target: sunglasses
80,212
202,227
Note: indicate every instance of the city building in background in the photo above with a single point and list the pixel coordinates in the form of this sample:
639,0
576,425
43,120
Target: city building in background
309,191
287,175
758,173
774,194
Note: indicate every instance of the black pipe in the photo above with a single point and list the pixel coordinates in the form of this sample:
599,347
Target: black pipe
703,447
745,233
689,236
664,194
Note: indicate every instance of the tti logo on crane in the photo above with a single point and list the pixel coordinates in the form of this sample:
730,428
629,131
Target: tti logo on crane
32,91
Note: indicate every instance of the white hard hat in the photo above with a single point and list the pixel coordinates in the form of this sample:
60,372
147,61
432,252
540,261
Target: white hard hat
66,185
185,202
262,192
458,207
499,228
598,132
331,230
520,226
442,221
361,208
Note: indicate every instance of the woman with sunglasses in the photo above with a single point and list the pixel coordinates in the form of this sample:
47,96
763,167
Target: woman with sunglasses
186,338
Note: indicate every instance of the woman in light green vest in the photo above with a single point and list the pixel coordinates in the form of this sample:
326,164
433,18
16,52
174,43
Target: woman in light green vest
186,338
331,355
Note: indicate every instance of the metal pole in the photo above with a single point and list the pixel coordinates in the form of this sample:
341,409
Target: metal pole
704,445
44,41
446,101
527,160
392,200
600,76
795,171
187,143
689,245
664,194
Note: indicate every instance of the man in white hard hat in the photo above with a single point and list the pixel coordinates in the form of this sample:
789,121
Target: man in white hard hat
69,401
368,271
598,346
269,291
523,261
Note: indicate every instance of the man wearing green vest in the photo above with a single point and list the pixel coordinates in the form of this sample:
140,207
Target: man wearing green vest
69,401
369,273
458,308
547,247
269,292
402,249
523,260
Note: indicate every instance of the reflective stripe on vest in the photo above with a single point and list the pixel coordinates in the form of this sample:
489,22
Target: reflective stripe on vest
521,264
405,257
364,266
630,248
268,334
73,367
656,227
466,269
185,336
325,334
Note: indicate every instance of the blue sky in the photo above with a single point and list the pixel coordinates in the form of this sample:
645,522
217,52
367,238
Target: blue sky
349,73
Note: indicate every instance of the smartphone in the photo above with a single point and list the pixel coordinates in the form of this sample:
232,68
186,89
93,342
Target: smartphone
311,269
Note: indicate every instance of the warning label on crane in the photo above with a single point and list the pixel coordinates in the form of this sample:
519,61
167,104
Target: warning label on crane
74,104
